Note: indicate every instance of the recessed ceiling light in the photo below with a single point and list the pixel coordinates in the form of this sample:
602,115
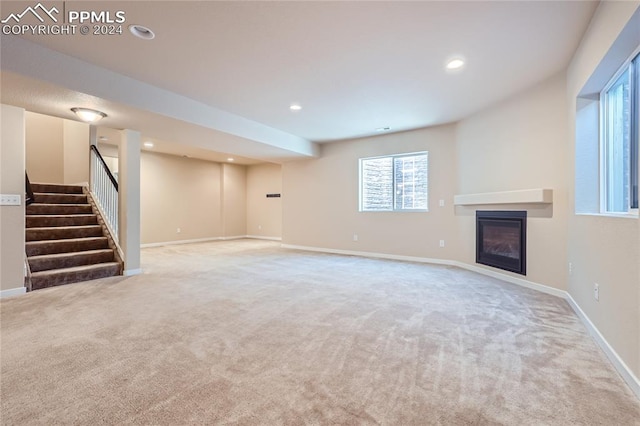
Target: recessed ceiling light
88,115
142,32
295,107
148,144
383,129
230,159
455,64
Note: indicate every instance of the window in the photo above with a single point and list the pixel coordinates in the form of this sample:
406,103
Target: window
619,145
394,183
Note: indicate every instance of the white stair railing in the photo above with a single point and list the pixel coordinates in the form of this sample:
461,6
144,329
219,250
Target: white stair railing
104,188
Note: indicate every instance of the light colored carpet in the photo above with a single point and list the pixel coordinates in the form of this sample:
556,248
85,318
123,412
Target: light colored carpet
244,332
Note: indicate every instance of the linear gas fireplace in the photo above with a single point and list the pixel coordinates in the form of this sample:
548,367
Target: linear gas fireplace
501,240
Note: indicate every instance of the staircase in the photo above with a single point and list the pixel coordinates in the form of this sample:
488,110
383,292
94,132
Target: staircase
66,241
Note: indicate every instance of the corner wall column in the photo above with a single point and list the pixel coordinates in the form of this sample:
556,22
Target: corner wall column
129,200
12,168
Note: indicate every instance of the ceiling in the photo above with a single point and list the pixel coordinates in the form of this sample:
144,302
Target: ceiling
234,68
109,141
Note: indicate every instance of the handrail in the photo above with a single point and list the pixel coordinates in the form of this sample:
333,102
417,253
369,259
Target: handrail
104,188
29,198
106,168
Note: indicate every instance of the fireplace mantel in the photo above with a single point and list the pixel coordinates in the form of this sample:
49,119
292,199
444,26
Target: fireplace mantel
524,196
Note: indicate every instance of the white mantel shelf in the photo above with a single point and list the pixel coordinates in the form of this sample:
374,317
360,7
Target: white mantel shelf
524,196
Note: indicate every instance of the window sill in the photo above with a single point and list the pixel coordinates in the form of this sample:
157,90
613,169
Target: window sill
612,215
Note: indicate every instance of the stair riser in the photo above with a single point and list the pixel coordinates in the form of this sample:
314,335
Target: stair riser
58,189
44,221
62,233
69,261
65,243
38,283
53,247
61,198
40,209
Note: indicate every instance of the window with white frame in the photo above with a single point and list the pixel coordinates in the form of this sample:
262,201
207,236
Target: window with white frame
620,112
394,183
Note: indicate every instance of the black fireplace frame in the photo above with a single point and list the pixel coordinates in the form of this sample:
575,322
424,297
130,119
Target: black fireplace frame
509,218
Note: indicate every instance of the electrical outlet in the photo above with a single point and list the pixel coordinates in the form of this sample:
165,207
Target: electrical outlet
178,230
596,291
10,200
259,227
441,203
441,243
570,268
355,237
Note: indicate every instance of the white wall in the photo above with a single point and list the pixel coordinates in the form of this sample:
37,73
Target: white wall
264,215
75,152
320,199
202,198
12,150
234,200
520,144
604,249
44,148
57,150
177,192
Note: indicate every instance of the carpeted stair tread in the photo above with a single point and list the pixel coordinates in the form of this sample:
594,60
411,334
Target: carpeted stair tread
37,248
46,198
63,232
75,274
56,188
65,241
58,209
43,221
67,260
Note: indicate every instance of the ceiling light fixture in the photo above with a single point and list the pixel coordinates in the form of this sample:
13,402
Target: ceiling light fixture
148,144
142,32
295,107
455,64
88,115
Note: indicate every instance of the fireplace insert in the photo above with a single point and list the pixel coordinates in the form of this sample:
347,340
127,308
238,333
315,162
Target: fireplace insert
501,240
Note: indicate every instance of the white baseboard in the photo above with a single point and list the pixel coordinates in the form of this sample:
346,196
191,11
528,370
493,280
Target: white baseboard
618,363
262,237
371,254
12,292
627,375
513,280
131,272
233,237
204,240
169,243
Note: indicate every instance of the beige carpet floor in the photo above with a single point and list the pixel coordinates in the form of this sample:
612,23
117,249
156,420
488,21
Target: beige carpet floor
244,332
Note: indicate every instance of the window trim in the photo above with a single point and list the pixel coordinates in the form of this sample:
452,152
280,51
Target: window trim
393,157
635,130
